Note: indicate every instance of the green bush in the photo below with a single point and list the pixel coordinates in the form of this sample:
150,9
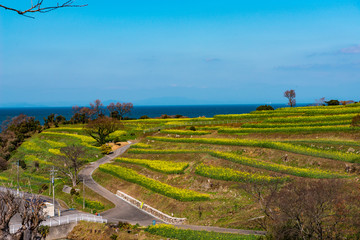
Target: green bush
192,128
74,192
44,230
22,164
264,107
105,149
95,205
333,102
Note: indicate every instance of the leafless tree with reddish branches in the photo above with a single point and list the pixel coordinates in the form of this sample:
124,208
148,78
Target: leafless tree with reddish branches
70,162
40,7
290,95
97,108
119,110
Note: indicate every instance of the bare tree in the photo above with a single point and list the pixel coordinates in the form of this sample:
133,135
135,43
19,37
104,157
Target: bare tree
310,209
40,7
320,102
70,163
97,108
263,193
346,102
100,128
119,110
31,213
9,206
290,95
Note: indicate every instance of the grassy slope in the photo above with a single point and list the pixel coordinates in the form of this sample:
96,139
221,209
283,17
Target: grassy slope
36,149
229,206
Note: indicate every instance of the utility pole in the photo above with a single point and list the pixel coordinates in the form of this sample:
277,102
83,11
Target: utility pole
83,192
18,185
52,174
50,183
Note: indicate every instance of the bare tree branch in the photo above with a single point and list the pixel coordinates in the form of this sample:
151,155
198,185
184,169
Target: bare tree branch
40,8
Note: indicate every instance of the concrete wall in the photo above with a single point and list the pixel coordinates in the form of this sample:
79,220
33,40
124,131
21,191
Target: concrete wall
59,232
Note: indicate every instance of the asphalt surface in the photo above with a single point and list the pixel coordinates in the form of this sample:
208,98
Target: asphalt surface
123,211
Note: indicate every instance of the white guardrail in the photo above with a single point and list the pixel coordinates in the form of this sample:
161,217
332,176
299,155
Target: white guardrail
56,221
150,210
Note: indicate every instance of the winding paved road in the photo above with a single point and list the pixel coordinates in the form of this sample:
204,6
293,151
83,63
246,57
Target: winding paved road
123,211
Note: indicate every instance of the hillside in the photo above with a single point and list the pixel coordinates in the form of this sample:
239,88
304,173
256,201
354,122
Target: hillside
197,174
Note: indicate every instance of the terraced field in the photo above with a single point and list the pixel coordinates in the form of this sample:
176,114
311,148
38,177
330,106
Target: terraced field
280,145
197,174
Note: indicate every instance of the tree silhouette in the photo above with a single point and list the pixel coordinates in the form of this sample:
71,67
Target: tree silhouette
40,7
290,95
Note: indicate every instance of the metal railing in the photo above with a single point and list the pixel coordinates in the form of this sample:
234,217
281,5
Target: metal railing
57,221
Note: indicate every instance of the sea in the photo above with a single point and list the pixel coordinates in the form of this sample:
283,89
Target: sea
151,111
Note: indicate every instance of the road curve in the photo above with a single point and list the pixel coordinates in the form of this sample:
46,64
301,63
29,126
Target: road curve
125,212
122,211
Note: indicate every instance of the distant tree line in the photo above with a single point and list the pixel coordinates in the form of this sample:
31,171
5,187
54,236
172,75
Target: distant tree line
85,114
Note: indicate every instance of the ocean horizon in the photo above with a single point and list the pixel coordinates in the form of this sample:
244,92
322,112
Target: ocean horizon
151,111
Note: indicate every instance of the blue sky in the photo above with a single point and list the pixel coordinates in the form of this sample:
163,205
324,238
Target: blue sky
181,52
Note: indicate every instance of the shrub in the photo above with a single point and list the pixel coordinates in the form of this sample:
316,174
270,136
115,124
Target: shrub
44,231
22,164
3,164
105,149
96,205
192,128
356,121
264,107
74,192
44,187
124,225
332,102
36,164
144,117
